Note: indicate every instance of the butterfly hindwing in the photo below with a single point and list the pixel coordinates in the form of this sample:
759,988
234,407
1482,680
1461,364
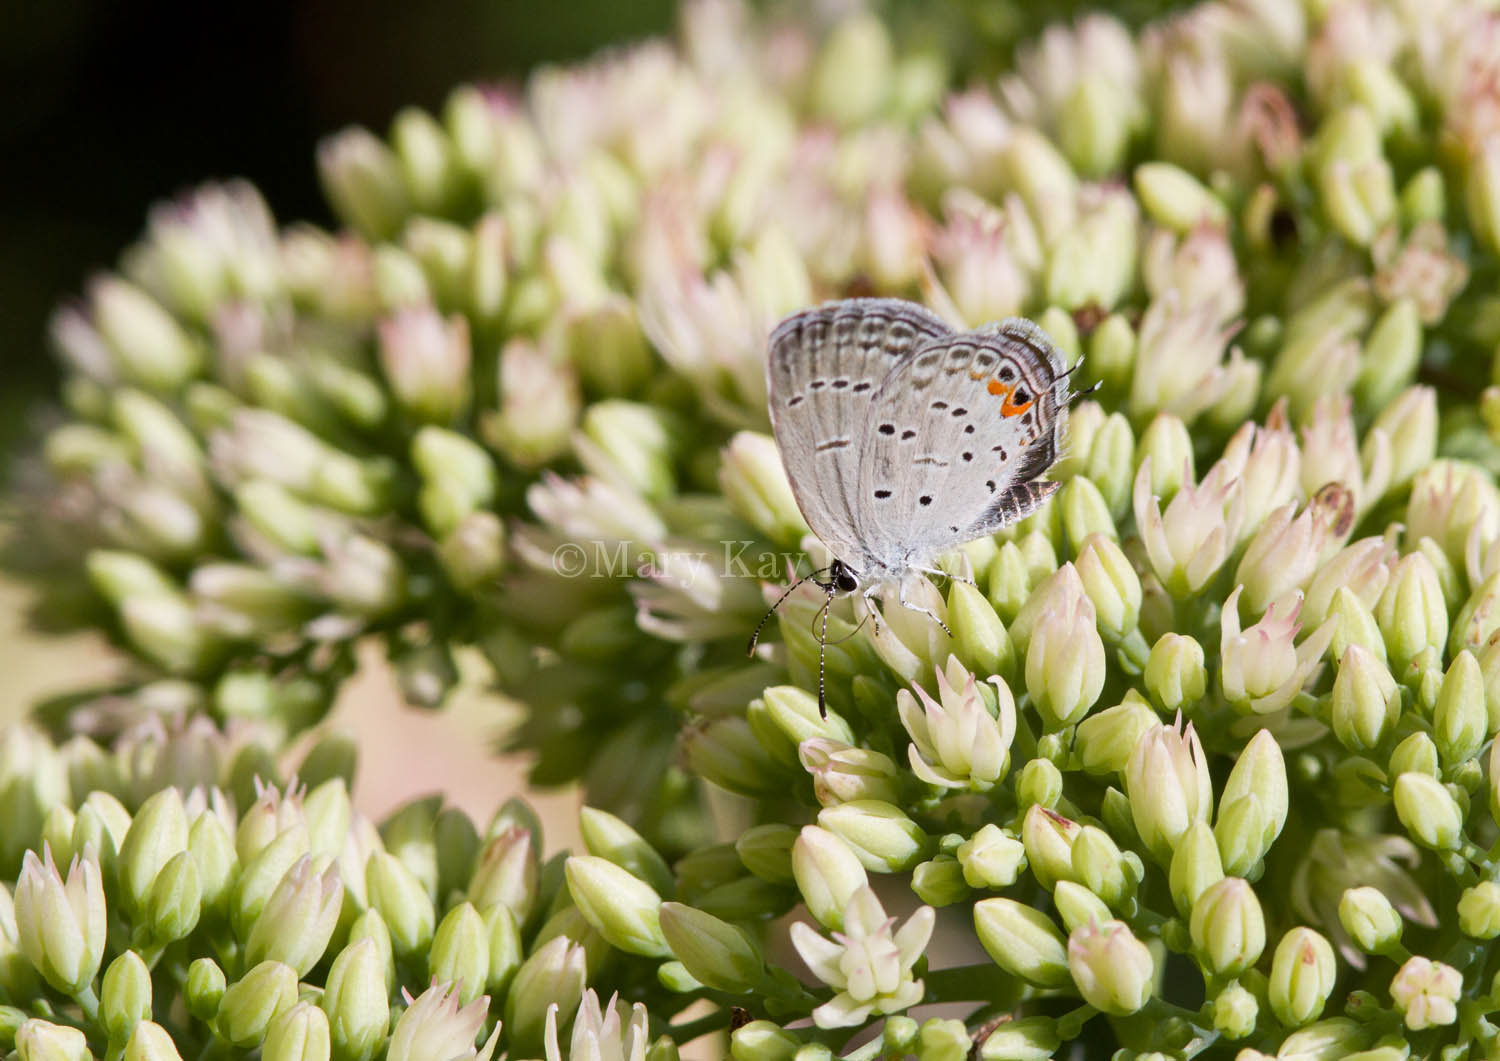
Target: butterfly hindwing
825,367
958,434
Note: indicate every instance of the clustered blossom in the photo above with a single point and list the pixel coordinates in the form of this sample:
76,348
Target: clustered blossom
1202,752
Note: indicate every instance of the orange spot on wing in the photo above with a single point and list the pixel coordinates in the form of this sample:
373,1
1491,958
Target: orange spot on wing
997,388
1012,409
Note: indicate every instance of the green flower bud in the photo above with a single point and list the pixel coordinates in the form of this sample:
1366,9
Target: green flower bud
727,752
1111,584
1104,740
1370,919
1113,970
979,636
38,1040
1227,926
1302,977
57,832
755,485
125,996
363,182
1482,194
61,925
458,477
828,873
1065,662
1100,866
943,1040
1174,198
1365,702
1416,754
622,908
554,974
473,552
991,858
794,712
1022,941
460,952
1460,721
1175,675
1077,906
881,836
507,871
1168,785
1085,513
1048,837
503,942
762,1040
1479,910
851,75
940,881
1235,1011
356,1000
262,874
766,851
610,838
150,1042
299,1034
1430,814
1041,782
1195,867
1026,1039
715,952
1259,772
1392,352
1412,613
299,918
250,1004
212,850
403,904
204,989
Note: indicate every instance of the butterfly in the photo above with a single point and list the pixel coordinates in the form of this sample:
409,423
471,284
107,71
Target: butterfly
903,438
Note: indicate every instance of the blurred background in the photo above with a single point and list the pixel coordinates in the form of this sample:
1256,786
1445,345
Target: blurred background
112,107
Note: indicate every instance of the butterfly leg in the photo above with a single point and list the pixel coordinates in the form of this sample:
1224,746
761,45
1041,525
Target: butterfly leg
950,575
914,607
868,596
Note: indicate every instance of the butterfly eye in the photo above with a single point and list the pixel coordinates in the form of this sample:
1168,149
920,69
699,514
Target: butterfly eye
845,582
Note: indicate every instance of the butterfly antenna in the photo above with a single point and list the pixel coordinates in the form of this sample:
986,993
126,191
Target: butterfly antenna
755,637
851,633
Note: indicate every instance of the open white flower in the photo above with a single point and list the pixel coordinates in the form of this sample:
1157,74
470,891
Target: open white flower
956,741
869,963
599,1033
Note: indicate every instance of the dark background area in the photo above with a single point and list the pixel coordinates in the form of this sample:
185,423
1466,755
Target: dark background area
109,107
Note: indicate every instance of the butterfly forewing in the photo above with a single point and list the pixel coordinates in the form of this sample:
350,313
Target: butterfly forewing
826,365
958,433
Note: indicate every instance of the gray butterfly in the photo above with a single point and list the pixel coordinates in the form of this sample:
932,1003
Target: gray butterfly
903,438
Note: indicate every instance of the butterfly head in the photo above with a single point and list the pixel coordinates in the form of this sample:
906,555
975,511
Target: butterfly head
841,579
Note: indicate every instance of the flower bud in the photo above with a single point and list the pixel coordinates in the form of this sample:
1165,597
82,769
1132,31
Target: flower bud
1195,867
403,904
362,178
125,996
1426,991
1048,837
299,1034
1104,740
1302,977
204,988
956,741
1065,662
756,487
841,773
1175,676
61,925
1431,815
1227,926
1023,941
940,881
763,1040
1168,785
766,851
460,952
356,1000
1411,612
1354,625
1261,669
622,908
1077,906
39,1040
1113,970
1415,754
828,873
991,858
1111,583
715,952
881,836
1479,910
1191,539
1025,1039
1235,1011
150,1042
1460,720
250,1004
1174,198
1482,192
212,850
298,919
980,639
553,974
506,872
1370,919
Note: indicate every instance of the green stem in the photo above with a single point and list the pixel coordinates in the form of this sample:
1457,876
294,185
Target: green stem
965,983
686,1033
89,1003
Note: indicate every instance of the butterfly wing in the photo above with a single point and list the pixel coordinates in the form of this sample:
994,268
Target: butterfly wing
825,366
959,433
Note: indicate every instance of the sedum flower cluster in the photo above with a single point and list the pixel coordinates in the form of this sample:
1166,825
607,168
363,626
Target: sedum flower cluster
1199,762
